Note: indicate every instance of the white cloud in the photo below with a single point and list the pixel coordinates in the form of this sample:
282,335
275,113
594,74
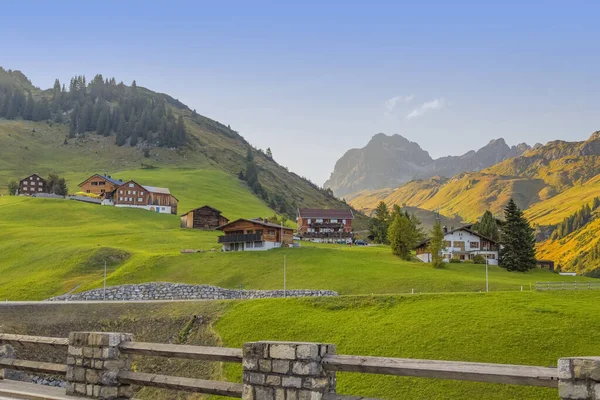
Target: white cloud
391,104
435,104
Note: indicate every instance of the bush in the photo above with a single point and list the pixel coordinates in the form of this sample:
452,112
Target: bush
479,259
455,260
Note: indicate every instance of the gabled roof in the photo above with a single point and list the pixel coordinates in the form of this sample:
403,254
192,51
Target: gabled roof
154,189
467,228
325,213
255,221
206,206
116,182
24,179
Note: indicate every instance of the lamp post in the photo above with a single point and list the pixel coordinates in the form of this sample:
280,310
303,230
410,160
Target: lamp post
284,289
487,285
104,294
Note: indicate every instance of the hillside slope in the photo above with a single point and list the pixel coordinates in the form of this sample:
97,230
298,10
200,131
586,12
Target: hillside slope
533,179
44,146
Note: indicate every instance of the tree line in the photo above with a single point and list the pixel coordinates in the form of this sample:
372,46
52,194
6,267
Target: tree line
103,107
400,229
576,220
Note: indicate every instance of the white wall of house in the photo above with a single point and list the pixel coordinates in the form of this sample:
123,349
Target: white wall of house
251,246
157,209
472,245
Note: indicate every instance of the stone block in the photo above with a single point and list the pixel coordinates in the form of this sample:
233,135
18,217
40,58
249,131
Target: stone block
309,395
564,369
307,351
283,351
98,364
88,352
79,375
78,339
279,394
248,392
89,391
255,350
291,382
110,352
250,364
569,390
280,366
97,353
586,368
70,388
306,368
125,391
315,383
115,364
80,388
264,365
325,349
264,393
87,362
75,351
273,380
109,378
254,378
70,360
291,394
109,392
92,376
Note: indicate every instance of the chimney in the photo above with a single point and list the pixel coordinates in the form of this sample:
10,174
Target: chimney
445,229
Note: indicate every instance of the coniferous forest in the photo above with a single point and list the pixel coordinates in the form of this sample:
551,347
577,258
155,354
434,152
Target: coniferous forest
101,106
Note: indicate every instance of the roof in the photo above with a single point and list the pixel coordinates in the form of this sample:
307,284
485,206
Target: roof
206,206
154,189
29,176
255,221
116,182
467,228
325,213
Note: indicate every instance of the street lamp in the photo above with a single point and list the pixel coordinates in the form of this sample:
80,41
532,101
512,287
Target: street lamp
487,284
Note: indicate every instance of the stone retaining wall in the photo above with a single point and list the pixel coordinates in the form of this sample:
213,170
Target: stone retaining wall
179,291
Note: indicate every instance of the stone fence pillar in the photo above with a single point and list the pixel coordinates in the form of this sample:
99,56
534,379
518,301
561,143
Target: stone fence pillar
579,378
93,362
286,371
6,351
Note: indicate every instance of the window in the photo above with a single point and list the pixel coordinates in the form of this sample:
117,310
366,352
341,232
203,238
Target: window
26,189
38,178
334,221
102,183
120,192
87,191
344,221
31,178
310,221
271,232
40,189
94,183
319,220
474,245
25,183
41,184
141,193
131,199
120,199
131,185
491,256
134,192
140,199
446,244
129,192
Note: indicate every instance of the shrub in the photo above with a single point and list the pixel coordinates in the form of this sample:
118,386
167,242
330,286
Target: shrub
479,259
454,260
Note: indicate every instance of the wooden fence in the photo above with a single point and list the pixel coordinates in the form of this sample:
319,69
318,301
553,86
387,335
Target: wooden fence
324,362
566,285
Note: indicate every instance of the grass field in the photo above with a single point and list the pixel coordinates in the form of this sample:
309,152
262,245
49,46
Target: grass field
516,328
511,328
49,247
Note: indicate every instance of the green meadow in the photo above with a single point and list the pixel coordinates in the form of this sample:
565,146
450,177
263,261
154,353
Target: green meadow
49,247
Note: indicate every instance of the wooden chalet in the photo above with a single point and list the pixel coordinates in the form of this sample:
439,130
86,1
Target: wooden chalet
132,194
254,235
33,184
205,217
101,185
325,225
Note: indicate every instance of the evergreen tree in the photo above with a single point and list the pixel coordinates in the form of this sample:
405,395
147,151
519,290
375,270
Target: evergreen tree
402,236
487,226
121,136
436,244
595,203
74,125
29,107
13,186
380,223
269,153
57,185
517,239
41,110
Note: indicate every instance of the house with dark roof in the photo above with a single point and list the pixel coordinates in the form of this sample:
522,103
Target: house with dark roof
254,235
156,199
325,225
205,217
462,243
33,184
100,185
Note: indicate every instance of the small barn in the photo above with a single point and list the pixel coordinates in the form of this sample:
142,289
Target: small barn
205,217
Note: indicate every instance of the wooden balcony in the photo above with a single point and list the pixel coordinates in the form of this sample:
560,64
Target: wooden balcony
250,237
327,235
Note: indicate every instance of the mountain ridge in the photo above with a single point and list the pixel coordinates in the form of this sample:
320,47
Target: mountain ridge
388,161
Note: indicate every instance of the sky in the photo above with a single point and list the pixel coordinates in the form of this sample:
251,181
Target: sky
313,79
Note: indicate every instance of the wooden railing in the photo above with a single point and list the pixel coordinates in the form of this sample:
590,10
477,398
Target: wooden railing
464,371
566,285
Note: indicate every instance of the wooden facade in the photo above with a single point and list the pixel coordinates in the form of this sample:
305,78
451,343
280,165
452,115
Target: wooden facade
132,194
33,184
101,185
205,217
327,225
254,234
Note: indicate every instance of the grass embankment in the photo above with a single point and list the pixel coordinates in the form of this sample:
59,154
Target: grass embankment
49,247
510,328
513,328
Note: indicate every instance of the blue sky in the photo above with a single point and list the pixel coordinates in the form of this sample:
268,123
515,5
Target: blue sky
314,79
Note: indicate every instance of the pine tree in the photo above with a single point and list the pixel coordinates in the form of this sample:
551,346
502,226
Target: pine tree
436,244
29,107
121,136
380,223
402,237
269,153
74,125
487,226
517,239
13,187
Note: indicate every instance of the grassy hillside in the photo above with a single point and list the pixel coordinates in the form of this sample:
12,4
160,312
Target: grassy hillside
51,246
515,328
518,328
